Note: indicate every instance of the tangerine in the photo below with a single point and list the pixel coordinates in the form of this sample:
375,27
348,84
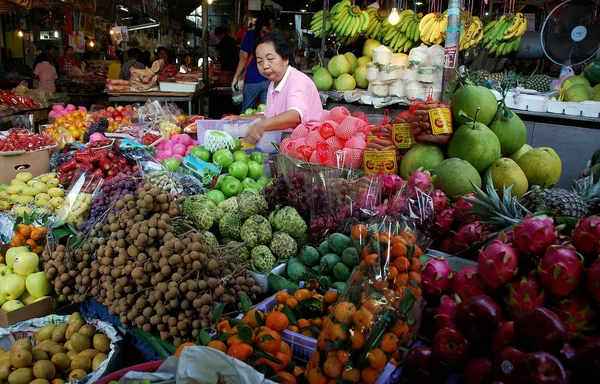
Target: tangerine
369,375
333,367
291,302
410,238
224,327
315,376
414,276
36,234
302,294
250,318
268,340
344,311
358,340
285,349
371,305
298,370
377,359
32,244
24,230
293,328
343,357
303,323
389,342
398,250
281,297
241,351
415,264
399,328
277,321
285,377
359,232
362,319
402,264
182,347
392,273
331,296
337,333
351,375
217,344
316,322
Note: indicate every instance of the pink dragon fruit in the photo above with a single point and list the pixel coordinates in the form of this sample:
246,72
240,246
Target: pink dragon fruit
443,221
469,235
592,280
390,183
498,263
462,207
448,245
440,201
560,270
467,283
575,311
398,205
533,236
586,236
524,293
444,315
436,275
419,180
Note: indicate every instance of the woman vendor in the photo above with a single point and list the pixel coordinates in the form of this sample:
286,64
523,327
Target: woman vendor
292,97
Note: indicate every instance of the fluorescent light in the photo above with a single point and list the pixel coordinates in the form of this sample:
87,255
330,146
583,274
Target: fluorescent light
394,17
419,3
152,20
144,26
122,8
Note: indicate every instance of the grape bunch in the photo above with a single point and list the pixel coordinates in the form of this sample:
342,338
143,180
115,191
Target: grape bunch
322,222
276,194
299,193
111,191
100,126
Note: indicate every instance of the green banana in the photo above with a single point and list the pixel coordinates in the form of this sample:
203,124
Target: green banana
489,25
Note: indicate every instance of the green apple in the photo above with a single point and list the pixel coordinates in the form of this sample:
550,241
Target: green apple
12,287
263,181
5,270
201,153
3,187
249,111
252,190
238,169
223,157
237,143
26,298
11,305
257,157
25,263
231,186
219,182
240,156
171,164
249,183
261,107
216,196
37,285
12,253
254,170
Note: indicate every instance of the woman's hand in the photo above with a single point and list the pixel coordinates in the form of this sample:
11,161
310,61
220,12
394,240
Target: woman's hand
255,133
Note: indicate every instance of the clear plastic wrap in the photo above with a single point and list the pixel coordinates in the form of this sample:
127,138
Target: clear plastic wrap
76,207
419,55
431,122
380,153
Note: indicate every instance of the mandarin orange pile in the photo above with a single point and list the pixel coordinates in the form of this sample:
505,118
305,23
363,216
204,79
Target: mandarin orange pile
31,236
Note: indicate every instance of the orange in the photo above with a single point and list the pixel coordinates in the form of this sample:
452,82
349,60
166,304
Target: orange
303,323
371,305
291,302
277,321
399,328
224,327
370,259
410,238
241,351
414,276
315,376
302,294
250,318
389,342
32,244
402,264
377,359
362,319
392,273
344,311
332,367
233,339
24,230
343,357
402,279
281,297
358,340
277,367
351,375
418,251
182,346
316,322
17,240
268,340
369,375
331,297
398,250
217,344
44,230
359,231
397,240
285,377
309,334
36,234
336,332
325,335
298,370
293,328
415,264
38,250
285,349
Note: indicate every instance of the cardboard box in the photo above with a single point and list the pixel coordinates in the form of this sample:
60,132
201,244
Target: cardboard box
40,309
36,162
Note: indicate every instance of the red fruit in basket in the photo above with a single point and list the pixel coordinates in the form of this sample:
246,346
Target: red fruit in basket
504,363
287,146
478,317
540,368
463,206
436,275
503,337
498,263
299,132
533,236
444,315
524,293
304,152
327,129
313,139
300,142
338,114
348,128
576,312
592,280
586,236
467,282
450,346
477,371
540,329
335,143
420,366
560,269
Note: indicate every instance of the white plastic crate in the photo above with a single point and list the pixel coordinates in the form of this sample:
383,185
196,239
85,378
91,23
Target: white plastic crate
585,108
526,102
262,279
167,86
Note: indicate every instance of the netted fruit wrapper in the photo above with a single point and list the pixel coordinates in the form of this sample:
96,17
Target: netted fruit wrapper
215,140
367,328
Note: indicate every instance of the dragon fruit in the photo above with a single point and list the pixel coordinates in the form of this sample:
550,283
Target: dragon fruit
586,236
524,293
398,205
498,263
560,270
463,206
440,201
444,315
469,234
467,283
390,184
533,236
592,280
419,180
436,275
575,311
443,221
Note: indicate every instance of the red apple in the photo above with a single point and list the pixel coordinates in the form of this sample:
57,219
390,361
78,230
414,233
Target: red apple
504,363
120,108
450,346
540,329
587,362
110,109
540,368
420,366
477,371
503,337
478,317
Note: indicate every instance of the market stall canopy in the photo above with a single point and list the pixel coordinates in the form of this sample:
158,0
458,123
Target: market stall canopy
186,7
7,6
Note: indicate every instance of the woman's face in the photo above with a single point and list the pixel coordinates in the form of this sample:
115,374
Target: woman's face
187,60
269,63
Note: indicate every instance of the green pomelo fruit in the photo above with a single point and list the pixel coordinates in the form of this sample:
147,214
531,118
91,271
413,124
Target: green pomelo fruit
517,155
578,93
353,61
574,80
369,46
322,79
454,177
468,99
344,83
364,60
505,172
510,131
339,65
360,75
475,143
542,166
425,156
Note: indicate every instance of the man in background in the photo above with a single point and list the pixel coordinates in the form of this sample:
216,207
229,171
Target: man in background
67,63
133,62
228,50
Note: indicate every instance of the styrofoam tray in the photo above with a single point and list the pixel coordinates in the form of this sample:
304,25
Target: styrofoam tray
524,102
585,108
178,87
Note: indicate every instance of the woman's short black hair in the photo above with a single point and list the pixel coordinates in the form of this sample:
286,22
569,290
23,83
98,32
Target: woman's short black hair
282,47
263,20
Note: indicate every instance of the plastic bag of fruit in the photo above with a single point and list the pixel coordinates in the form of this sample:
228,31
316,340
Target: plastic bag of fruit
356,199
322,218
161,177
380,153
24,123
431,121
76,207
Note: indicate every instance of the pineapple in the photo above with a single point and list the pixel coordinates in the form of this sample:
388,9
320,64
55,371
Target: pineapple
583,200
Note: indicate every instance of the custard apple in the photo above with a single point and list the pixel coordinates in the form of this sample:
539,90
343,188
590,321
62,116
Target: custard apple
283,245
250,204
210,239
202,217
229,205
289,221
230,225
218,214
262,259
256,231
242,254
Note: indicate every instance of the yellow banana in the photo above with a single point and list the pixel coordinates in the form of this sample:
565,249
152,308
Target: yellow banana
521,29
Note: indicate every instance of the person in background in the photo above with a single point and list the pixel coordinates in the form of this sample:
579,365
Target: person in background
120,56
67,63
239,36
162,54
145,58
45,73
48,55
228,51
186,64
133,62
255,85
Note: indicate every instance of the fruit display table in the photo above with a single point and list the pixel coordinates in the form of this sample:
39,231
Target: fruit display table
141,97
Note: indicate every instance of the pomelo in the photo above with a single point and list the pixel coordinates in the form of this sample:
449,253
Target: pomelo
470,97
364,60
542,166
369,46
574,80
517,155
475,143
353,61
344,82
454,176
505,172
425,156
578,93
338,65
360,75
510,131
322,79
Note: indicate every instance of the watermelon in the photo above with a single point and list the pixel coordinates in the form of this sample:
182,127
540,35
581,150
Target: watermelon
592,71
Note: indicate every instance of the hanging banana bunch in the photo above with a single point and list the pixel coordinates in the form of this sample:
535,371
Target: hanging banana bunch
316,24
402,36
471,32
376,19
503,36
349,20
433,28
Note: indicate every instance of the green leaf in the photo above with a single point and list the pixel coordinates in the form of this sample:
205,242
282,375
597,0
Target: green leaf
290,315
245,300
60,233
408,302
259,319
258,353
244,333
280,284
203,338
235,322
218,311
266,337
312,329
